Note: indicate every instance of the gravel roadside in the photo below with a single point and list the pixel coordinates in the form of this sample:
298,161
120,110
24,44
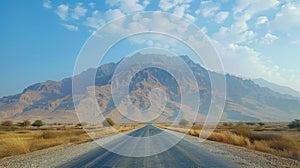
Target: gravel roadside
246,158
56,156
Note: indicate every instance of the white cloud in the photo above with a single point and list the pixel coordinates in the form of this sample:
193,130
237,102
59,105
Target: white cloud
70,27
155,22
78,12
254,6
221,17
248,60
166,5
245,9
269,38
210,11
146,3
47,4
92,5
261,20
197,12
190,17
98,19
113,14
287,20
235,38
62,11
127,6
204,30
252,63
238,33
95,21
180,10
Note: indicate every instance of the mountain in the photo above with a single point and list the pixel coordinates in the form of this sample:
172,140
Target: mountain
277,88
52,101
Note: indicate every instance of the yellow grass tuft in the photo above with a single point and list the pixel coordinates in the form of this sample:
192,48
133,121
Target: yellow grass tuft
13,146
243,136
24,141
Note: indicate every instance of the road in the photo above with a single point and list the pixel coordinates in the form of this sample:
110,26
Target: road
183,154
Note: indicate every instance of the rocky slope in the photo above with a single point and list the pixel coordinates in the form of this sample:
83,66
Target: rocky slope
246,101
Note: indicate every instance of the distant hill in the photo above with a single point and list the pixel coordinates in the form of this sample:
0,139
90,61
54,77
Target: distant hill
52,101
276,87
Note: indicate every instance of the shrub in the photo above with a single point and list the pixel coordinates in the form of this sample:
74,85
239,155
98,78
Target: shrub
49,135
183,123
250,123
281,145
294,124
7,123
243,130
197,127
266,137
262,146
25,123
81,124
108,122
38,123
194,132
229,138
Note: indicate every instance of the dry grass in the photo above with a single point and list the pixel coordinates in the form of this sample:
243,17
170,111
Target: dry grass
242,136
13,146
124,128
25,141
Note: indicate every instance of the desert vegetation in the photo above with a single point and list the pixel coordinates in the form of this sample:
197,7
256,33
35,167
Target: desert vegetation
279,141
108,122
294,124
183,123
24,137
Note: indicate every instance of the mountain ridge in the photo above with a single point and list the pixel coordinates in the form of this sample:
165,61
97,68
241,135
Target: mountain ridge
277,88
246,101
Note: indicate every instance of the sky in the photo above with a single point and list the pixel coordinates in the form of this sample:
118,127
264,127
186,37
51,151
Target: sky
40,40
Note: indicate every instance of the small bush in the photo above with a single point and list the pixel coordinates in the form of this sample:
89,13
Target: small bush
243,130
194,132
262,146
294,124
250,123
183,123
108,122
38,123
25,123
50,135
7,123
197,127
266,137
281,145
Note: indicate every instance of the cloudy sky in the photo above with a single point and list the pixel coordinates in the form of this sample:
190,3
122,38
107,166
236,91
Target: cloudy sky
40,40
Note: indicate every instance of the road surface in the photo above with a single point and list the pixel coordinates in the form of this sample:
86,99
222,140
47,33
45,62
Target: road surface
183,154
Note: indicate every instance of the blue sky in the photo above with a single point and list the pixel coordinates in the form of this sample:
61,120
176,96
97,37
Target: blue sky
40,40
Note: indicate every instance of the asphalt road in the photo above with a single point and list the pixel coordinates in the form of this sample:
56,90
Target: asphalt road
183,154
